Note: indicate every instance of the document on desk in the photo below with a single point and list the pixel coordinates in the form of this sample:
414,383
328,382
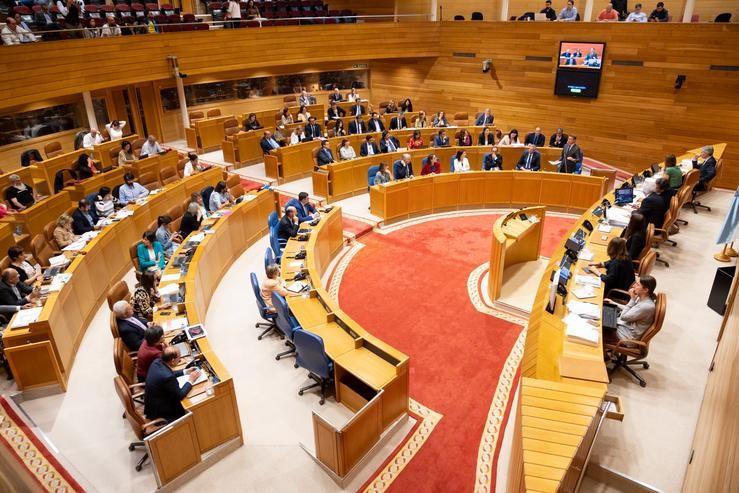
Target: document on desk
169,289
196,238
580,331
174,324
585,254
297,287
584,309
592,281
169,277
584,292
186,378
26,317
296,265
604,228
123,213
58,282
59,260
618,216
75,246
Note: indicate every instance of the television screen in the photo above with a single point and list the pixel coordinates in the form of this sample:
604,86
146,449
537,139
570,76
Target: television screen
578,83
582,56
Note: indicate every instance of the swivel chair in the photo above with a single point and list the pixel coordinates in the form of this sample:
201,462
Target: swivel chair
286,323
311,355
267,315
371,172
272,219
708,186
276,243
269,258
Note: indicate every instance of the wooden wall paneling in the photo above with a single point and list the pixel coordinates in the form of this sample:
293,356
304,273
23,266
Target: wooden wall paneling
709,9
449,8
374,7
416,10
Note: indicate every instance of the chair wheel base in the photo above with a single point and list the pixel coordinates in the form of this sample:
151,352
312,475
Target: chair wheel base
322,402
138,468
643,384
300,392
645,366
295,365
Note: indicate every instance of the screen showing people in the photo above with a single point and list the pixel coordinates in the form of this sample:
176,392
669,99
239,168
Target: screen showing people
587,56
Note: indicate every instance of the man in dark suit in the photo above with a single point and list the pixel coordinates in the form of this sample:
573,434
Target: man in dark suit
268,142
324,155
335,96
441,140
375,124
357,126
46,21
335,112
549,11
289,225
653,206
303,207
485,118
530,159
369,147
571,157
84,218
357,109
536,137
388,143
558,139
163,397
707,169
132,329
403,168
312,129
13,292
398,122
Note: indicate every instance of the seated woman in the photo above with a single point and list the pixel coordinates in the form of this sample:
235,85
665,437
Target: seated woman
461,163
346,151
406,106
486,138
673,172
191,220
251,122
511,139
297,136
252,12
146,296
192,165
431,166
286,118
220,197
126,155
272,284
635,235
104,203
151,349
85,167
416,141
339,130
150,253
464,139
493,161
619,269
421,121
303,114
170,242
391,107
63,234
383,175
637,315
27,273
440,120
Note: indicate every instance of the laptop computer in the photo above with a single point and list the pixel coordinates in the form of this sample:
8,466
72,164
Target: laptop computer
624,196
610,316
540,17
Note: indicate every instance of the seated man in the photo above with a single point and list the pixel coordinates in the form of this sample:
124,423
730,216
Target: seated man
324,156
707,169
569,13
441,140
14,292
289,224
131,329
163,397
530,159
268,143
486,118
303,207
335,97
151,147
398,122
608,14
357,126
110,28
375,124
13,34
388,143
93,138
637,15
558,139
335,111
19,195
84,218
536,137
653,206
403,168
357,109
659,14
368,147
131,190
312,129
304,99
549,11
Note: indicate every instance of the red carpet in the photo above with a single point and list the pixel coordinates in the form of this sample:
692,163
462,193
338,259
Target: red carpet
409,288
357,228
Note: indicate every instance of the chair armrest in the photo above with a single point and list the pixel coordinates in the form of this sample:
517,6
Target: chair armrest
625,343
152,426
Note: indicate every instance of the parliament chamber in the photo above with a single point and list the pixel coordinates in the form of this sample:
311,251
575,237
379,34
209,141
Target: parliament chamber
357,369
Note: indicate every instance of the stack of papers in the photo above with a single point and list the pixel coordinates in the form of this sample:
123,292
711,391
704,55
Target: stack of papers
604,228
76,246
58,260
196,238
26,317
123,213
297,287
584,310
174,324
585,254
580,331
169,277
58,281
90,235
169,289
584,292
248,198
592,281
186,378
618,216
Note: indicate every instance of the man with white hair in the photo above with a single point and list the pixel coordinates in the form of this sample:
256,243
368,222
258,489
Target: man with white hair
707,169
403,168
486,118
92,138
132,329
19,195
151,147
13,34
289,224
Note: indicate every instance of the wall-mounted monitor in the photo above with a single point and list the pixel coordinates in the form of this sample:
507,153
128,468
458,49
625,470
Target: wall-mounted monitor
579,66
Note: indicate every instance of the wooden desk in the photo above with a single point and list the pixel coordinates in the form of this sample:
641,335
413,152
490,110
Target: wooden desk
371,377
206,134
27,177
514,241
153,164
32,220
43,354
109,179
46,171
243,148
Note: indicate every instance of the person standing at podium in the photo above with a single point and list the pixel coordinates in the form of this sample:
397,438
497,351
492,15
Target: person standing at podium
571,157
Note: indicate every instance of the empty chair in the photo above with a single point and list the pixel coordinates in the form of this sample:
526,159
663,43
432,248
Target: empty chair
49,235
276,243
723,17
168,175
461,119
119,291
53,149
149,180
213,113
646,264
135,416
285,322
272,219
685,193
609,174
311,355
125,363
267,315
459,18
133,252
41,250
269,257
196,115
476,16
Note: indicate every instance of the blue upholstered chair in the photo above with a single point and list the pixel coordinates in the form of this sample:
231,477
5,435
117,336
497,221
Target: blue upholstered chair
484,157
285,322
269,257
272,219
371,172
276,243
451,163
267,315
311,355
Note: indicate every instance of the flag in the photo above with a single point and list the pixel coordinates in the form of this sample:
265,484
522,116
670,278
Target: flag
731,221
